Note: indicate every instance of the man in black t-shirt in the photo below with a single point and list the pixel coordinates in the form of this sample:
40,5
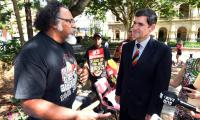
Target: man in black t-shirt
46,70
97,57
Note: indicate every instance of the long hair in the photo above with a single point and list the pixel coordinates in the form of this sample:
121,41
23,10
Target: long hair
47,16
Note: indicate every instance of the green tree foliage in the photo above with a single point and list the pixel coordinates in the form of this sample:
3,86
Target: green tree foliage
9,50
195,3
5,13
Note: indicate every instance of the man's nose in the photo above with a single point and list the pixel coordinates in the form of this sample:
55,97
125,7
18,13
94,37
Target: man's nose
74,25
135,27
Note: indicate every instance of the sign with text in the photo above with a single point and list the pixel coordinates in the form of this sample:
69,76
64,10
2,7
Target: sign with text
96,61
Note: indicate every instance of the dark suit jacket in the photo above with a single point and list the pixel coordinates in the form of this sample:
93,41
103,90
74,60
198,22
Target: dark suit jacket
139,86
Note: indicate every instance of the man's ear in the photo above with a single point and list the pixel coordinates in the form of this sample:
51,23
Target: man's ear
55,26
152,27
58,26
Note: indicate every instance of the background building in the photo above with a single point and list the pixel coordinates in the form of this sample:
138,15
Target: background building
186,27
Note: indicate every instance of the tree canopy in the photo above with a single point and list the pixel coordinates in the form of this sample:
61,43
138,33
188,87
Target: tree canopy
124,9
5,13
24,8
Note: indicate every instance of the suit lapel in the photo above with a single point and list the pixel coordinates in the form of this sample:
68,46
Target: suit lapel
129,51
147,52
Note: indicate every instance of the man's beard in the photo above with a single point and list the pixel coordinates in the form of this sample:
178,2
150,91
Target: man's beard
71,39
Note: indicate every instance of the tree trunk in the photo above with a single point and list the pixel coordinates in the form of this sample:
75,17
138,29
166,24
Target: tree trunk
79,7
19,24
76,6
28,19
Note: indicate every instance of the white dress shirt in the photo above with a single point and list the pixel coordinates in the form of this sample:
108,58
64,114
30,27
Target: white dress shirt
142,46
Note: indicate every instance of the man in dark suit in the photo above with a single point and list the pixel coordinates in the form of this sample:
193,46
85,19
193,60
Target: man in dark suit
144,71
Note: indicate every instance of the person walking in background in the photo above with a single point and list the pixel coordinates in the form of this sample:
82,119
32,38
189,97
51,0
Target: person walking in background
189,78
46,71
118,50
179,47
96,59
144,72
106,44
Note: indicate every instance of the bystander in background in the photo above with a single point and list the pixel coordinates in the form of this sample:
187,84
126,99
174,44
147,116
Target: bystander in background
106,44
179,47
96,59
118,50
187,77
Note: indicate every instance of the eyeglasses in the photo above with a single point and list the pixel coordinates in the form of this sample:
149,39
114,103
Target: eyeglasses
71,21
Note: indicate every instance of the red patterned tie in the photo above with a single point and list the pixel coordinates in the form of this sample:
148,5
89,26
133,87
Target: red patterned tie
136,54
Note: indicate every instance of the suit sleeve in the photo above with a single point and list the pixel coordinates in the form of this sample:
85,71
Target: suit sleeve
161,81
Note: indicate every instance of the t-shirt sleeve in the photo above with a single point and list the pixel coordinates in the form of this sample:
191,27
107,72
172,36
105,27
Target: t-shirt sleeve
30,79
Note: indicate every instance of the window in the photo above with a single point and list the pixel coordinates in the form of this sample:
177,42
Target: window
117,34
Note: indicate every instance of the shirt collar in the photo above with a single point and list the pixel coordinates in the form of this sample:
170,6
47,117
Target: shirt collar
144,42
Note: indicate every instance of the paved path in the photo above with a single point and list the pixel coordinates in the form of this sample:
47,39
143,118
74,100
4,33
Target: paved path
186,53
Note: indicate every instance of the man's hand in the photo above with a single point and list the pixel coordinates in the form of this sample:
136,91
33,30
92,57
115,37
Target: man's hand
91,115
117,99
147,117
194,94
194,115
83,74
46,110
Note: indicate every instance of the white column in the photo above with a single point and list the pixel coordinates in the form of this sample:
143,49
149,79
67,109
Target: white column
193,36
172,32
192,33
194,12
172,35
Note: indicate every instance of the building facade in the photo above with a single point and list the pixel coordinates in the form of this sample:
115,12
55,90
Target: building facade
186,27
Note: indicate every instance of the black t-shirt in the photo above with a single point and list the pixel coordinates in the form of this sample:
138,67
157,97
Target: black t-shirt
100,59
46,70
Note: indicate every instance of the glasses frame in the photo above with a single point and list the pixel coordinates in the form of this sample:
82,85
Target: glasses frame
67,20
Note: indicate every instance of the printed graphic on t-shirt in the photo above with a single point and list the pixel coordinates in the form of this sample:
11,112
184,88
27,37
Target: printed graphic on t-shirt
96,61
69,77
